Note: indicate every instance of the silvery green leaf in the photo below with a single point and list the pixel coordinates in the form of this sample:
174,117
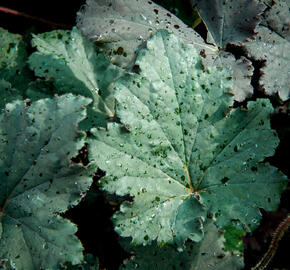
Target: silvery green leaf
274,50
277,18
229,20
39,181
181,150
122,26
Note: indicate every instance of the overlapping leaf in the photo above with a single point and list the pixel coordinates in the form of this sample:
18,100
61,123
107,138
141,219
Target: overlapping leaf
235,22
107,22
13,57
277,18
229,21
75,67
242,71
181,152
274,50
38,180
121,27
208,254
182,10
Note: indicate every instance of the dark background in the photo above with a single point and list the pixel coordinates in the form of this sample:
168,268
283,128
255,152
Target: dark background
97,234
61,12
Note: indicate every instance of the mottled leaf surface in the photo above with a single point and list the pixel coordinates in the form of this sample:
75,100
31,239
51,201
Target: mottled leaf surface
208,254
38,181
13,57
274,50
73,63
277,18
121,27
180,150
242,72
229,20
182,10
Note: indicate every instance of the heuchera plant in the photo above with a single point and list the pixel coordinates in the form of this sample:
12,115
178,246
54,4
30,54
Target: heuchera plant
154,105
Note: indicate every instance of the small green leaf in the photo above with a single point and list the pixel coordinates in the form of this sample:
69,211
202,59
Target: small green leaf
233,238
38,181
181,151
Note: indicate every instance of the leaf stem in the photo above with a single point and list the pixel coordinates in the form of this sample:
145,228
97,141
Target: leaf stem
44,21
277,235
188,178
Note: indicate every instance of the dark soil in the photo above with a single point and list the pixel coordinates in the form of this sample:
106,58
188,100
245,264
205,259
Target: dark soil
97,233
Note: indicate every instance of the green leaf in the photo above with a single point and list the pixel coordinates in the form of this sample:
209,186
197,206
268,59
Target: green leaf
120,43
272,49
38,181
121,28
208,254
236,22
71,60
229,21
181,152
233,238
13,57
40,88
90,263
7,93
242,72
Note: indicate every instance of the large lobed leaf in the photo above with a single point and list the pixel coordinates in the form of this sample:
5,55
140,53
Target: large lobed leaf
181,152
38,181
121,27
75,67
